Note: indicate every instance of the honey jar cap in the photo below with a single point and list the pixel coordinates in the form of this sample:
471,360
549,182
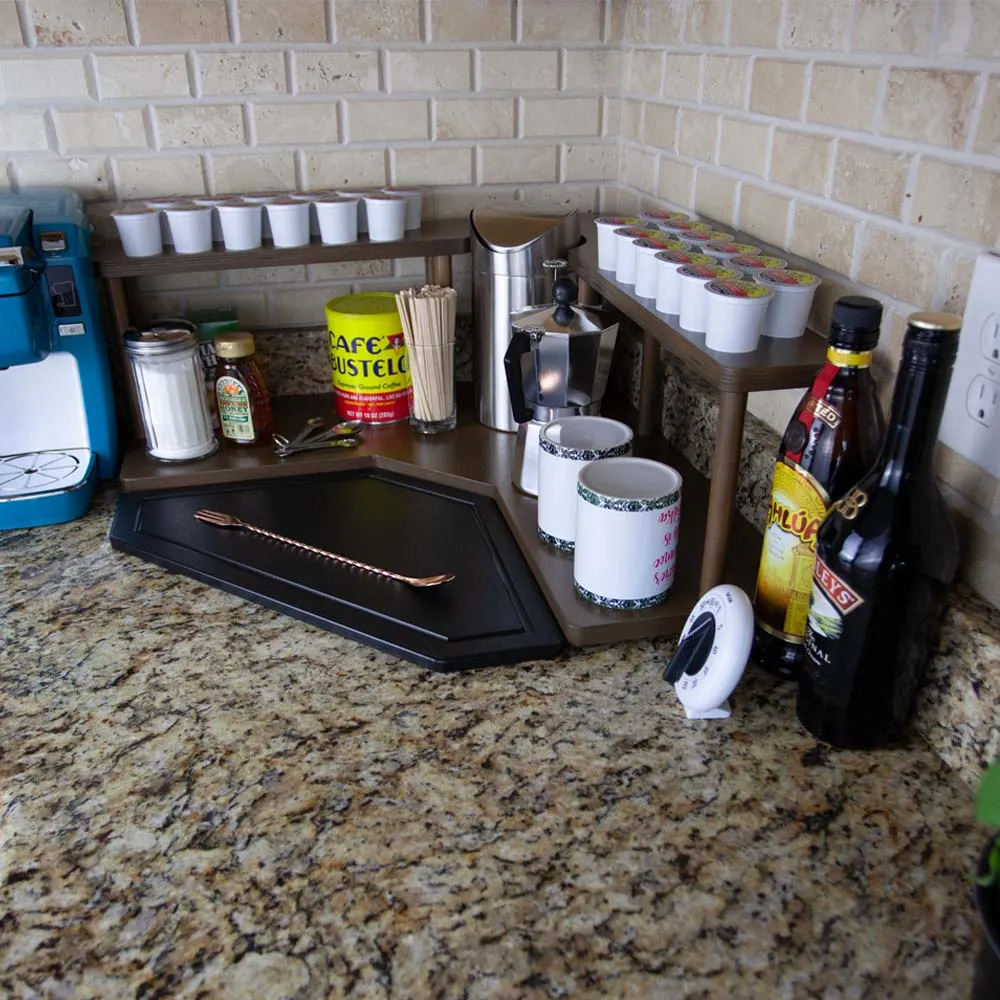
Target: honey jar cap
234,345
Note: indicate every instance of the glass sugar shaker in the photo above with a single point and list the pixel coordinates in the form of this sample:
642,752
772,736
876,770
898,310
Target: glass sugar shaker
170,388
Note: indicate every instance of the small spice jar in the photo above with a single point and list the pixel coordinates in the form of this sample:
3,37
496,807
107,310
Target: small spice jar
242,396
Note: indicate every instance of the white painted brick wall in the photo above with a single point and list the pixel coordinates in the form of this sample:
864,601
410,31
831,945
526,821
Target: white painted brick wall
127,99
863,136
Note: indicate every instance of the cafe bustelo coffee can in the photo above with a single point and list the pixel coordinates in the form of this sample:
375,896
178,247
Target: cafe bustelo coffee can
371,372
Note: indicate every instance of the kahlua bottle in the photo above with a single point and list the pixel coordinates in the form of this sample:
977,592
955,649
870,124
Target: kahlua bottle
831,440
885,557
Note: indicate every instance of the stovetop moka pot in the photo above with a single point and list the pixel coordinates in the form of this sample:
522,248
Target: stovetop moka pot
557,365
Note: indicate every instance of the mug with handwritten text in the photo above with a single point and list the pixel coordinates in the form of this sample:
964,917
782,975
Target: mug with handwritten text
628,516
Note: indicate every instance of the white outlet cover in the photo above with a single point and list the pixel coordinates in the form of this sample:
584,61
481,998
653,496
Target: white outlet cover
971,423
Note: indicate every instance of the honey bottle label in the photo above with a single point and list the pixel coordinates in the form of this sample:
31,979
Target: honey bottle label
234,409
784,581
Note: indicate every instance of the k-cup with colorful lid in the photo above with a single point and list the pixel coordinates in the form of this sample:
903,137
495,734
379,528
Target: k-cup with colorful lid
607,245
735,315
684,226
694,299
625,260
645,261
668,285
656,216
702,236
724,250
790,303
753,263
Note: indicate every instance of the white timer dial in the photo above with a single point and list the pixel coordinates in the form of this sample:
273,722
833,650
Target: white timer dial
712,652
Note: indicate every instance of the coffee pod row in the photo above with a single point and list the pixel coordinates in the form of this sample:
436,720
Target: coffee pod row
243,222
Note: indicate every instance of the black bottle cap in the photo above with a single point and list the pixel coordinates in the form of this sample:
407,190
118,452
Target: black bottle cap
855,323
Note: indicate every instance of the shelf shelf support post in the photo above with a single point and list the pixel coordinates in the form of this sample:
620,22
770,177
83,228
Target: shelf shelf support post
722,494
649,385
438,270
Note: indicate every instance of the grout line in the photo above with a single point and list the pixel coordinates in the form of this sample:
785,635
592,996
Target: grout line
475,70
976,112
328,22
90,72
860,232
425,21
207,173
830,174
154,129
131,23
807,83
233,21
881,97
289,62
194,76
249,125
25,22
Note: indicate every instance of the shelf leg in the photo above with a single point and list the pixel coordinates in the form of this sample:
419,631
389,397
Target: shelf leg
114,289
585,295
438,270
722,494
649,386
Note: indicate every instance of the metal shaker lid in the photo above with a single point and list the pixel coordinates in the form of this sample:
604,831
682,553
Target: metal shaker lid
159,341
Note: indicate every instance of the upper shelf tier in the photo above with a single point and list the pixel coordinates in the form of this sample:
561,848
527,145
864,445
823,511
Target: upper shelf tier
776,364
441,238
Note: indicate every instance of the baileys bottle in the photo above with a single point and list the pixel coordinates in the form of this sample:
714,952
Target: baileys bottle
830,442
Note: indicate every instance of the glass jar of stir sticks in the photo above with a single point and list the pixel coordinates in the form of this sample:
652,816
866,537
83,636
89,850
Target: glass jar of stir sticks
428,318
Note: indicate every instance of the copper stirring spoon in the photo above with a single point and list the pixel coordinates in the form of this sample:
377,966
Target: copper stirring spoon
221,520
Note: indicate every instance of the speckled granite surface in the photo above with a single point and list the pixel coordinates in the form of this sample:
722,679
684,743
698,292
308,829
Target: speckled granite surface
202,798
298,361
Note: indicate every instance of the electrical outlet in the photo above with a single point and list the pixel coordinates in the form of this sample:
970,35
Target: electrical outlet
989,339
972,414
983,400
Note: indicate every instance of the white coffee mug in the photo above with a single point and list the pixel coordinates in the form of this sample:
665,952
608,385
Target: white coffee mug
628,518
565,447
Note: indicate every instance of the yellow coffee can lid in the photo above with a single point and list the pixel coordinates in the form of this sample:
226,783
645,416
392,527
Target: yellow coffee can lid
364,314
234,345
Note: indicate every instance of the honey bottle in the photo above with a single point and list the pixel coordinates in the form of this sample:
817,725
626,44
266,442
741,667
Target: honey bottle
243,400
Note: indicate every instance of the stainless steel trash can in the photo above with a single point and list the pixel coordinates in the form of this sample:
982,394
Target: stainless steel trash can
510,242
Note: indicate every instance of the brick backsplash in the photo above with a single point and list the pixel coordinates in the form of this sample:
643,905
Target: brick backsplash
862,135
475,99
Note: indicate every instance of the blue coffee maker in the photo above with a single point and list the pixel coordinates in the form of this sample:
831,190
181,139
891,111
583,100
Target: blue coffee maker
57,419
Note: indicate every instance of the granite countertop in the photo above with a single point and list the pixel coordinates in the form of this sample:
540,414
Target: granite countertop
202,798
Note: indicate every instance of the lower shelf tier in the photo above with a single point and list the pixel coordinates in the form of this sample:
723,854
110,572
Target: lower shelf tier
476,458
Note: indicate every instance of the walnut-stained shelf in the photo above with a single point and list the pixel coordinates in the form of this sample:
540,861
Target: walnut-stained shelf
443,238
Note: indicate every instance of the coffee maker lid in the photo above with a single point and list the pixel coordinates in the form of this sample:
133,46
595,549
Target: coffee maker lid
510,225
554,319
563,316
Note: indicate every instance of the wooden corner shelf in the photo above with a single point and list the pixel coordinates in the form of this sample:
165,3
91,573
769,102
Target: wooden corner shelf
477,458
716,544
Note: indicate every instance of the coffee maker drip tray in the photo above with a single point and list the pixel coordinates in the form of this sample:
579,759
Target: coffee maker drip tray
36,472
